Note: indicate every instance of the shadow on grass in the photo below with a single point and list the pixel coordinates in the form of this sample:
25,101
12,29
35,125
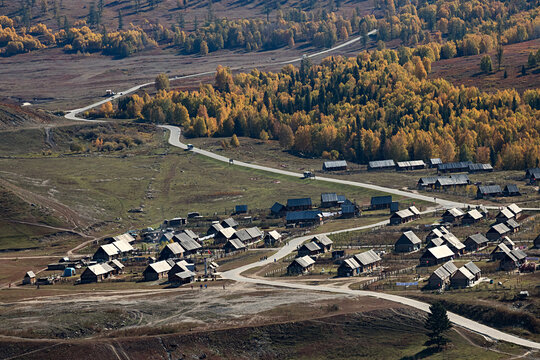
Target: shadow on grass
422,354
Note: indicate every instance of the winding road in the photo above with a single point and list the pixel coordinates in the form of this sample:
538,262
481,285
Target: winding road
236,274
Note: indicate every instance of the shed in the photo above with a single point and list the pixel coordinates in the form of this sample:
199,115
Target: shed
381,202
427,182
485,191
452,215
438,232
407,242
166,236
349,210
497,231
29,278
213,229
532,172
511,190
337,165
310,249
436,255
441,276
69,272
329,200
300,266
127,237
241,209
381,165
475,242
299,204
472,217
175,222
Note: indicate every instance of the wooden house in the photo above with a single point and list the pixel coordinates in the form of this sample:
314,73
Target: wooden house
462,278
324,242
118,267
172,250
401,217
157,270
516,210
299,204
381,202
106,253
338,165
497,231
471,217
452,215
441,276
504,215
410,165
309,249
436,255
272,238
278,209
304,218
29,278
407,242
513,225
182,277
368,261
487,191
349,267
381,165
224,235
229,223
454,244
434,242
301,265
475,242
95,273
511,190
329,200
233,245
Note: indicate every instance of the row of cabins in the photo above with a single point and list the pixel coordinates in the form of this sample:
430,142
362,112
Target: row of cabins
463,166
486,191
177,272
448,275
443,182
359,264
455,215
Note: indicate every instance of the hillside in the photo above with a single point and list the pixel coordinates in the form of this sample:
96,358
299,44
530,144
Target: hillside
14,116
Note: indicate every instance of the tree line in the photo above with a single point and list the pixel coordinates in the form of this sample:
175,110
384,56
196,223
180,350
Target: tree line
375,106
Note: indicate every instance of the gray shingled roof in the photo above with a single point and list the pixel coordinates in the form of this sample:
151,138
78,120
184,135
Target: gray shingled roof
367,258
335,164
304,261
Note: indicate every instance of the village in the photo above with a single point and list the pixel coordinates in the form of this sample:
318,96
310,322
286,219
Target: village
452,248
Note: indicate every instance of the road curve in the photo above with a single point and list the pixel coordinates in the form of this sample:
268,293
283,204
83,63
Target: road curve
174,140
236,275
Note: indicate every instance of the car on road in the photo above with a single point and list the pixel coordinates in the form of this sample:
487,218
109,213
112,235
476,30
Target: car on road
189,147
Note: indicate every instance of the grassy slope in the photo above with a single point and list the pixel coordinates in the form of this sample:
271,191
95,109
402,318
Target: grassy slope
374,335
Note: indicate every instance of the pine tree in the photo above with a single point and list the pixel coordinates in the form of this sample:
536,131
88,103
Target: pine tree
437,323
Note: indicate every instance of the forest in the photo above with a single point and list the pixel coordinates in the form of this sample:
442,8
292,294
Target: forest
378,105
461,27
